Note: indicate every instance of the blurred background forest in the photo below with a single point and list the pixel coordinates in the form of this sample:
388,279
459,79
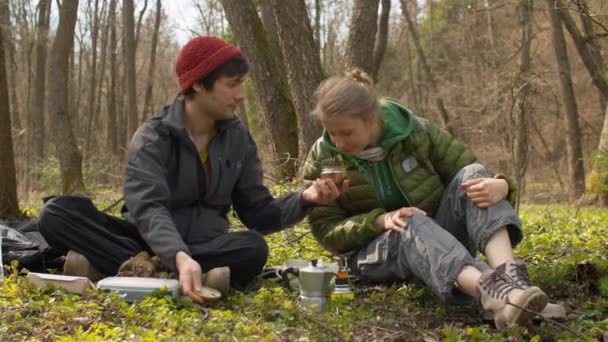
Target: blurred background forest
523,82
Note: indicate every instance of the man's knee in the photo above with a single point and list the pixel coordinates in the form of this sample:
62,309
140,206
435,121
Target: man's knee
51,215
258,248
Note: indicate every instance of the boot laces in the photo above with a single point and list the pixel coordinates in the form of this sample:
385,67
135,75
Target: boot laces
519,275
497,285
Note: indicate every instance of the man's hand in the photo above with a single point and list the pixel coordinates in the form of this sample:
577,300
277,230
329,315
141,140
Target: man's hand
323,191
189,276
486,192
393,220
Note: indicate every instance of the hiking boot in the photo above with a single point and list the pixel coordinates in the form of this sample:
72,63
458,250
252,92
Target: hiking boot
516,270
217,278
78,265
505,303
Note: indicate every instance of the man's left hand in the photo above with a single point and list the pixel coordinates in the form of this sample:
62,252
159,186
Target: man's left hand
486,192
323,191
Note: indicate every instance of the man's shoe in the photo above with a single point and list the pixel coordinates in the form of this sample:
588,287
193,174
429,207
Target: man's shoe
217,278
78,265
505,303
516,270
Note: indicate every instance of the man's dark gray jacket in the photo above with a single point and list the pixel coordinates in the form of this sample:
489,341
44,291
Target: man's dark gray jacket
173,204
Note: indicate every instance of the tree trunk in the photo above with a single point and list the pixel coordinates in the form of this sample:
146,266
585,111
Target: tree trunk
36,120
317,30
150,82
589,55
573,147
139,21
304,71
272,32
69,157
112,142
594,47
519,114
102,72
9,205
129,55
270,88
11,67
413,80
92,93
360,45
381,38
443,113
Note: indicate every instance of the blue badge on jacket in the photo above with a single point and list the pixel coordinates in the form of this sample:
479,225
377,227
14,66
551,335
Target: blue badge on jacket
409,164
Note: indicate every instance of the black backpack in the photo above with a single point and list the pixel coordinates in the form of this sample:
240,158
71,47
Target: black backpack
22,241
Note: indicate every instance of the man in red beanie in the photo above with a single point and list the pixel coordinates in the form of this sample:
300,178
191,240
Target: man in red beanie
186,168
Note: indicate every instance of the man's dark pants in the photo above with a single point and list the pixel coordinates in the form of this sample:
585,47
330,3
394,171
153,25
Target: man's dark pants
73,223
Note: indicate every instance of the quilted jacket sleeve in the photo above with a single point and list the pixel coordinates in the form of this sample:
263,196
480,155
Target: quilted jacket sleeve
334,228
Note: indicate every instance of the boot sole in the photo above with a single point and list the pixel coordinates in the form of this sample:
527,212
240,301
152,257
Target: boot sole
535,301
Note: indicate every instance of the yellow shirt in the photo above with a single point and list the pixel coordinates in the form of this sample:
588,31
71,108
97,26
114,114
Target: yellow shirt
204,154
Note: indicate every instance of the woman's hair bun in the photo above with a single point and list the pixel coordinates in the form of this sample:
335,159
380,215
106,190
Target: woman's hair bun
359,76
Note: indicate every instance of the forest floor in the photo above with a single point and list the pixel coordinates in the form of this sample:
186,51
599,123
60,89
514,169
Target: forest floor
566,250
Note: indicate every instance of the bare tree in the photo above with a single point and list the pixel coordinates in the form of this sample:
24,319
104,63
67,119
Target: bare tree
92,91
444,116
112,130
150,81
362,35
36,118
587,49
69,157
139,21
304,71
317,30
519,112
11,67
381,37
270,88
9,205
102,68
573,146
272,32
129,55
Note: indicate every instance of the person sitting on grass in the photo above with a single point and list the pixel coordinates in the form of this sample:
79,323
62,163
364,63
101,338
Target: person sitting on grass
419,205
186,168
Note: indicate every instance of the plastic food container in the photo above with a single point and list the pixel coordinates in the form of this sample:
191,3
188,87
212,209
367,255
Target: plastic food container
136,288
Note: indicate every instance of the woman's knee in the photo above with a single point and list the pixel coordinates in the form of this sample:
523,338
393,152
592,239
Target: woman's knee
473,171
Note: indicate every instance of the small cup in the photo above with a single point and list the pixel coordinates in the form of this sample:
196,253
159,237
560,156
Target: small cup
337,174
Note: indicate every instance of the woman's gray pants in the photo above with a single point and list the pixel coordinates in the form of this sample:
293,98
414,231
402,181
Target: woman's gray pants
436,249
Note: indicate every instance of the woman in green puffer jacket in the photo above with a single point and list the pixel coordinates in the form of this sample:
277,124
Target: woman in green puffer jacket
418,205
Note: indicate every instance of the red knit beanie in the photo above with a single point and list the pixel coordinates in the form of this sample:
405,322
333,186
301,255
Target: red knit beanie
201,56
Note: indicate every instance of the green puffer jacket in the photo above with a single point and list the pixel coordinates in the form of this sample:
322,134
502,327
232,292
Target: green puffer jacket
423,159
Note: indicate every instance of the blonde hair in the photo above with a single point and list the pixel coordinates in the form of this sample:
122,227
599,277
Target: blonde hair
352,94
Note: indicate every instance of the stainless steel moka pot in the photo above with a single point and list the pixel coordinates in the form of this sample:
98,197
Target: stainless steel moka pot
314,285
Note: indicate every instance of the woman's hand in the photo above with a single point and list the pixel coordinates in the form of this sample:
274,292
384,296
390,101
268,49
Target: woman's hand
486,192
323,191
393,220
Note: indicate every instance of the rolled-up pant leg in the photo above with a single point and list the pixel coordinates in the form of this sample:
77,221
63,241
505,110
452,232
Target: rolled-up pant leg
436,250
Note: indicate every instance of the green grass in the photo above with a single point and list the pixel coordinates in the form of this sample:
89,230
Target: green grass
566,250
